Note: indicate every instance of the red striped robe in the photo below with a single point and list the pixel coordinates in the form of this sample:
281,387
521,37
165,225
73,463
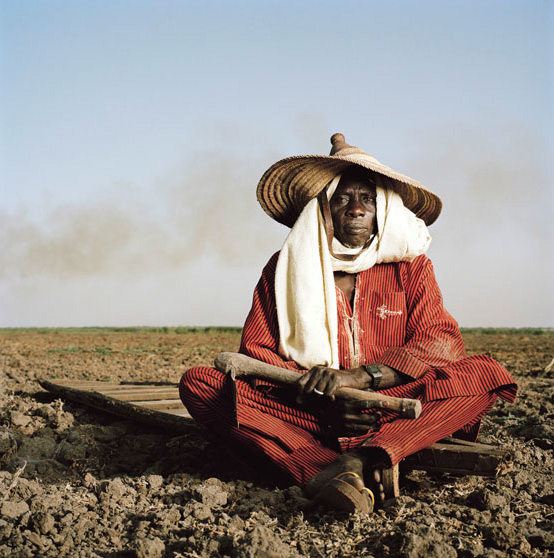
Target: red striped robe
397,319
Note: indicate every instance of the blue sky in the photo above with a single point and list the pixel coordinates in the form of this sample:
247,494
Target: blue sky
133,134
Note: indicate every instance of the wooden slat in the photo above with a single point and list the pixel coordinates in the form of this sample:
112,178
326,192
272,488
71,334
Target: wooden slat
178,412
140,395
179,423
83,384
459,442
476,448
126,392
102,386
467,458
135,386
159,405
136,389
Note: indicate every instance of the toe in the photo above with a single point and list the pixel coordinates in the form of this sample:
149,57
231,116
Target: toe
353,479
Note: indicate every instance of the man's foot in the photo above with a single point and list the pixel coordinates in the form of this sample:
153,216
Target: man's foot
341,493
353,482
347,463
384,483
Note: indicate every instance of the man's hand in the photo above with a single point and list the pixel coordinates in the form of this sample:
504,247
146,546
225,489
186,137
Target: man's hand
317,388
346,417
321,381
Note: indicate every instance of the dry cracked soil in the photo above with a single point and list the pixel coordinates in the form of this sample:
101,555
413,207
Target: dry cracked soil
77,482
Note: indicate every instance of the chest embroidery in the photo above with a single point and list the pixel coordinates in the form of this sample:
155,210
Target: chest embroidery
383,312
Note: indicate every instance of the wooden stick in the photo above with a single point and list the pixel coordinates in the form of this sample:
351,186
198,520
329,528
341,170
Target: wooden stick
237,364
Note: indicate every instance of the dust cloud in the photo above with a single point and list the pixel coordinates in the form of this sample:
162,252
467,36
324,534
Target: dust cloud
212,209
187,250
207,205
187,254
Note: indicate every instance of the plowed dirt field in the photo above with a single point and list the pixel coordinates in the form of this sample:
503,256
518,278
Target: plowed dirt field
77,482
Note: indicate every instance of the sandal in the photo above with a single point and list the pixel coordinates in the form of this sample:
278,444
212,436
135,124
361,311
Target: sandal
344,496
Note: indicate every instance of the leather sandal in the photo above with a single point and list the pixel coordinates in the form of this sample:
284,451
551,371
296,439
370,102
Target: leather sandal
344,496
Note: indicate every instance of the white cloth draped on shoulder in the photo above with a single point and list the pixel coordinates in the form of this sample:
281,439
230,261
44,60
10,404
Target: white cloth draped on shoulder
304,281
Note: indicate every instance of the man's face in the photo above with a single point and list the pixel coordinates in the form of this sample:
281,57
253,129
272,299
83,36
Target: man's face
353,210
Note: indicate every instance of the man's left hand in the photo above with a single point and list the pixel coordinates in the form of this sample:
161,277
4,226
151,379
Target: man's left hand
323,381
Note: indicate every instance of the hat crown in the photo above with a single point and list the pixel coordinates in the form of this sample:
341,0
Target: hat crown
347,151
338,143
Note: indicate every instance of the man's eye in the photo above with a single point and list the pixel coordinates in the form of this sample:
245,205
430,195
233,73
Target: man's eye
341,199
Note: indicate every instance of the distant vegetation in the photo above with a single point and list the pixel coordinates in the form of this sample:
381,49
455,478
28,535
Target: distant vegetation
230,329
507,330
163,329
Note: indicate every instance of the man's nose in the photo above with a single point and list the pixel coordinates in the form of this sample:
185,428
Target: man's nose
355,209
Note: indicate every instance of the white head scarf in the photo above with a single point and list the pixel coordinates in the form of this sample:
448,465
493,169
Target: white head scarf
304,281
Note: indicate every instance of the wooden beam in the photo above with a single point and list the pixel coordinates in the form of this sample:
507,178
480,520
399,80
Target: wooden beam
458,457
161,405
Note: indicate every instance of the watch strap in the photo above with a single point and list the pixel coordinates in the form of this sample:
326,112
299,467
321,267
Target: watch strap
375,372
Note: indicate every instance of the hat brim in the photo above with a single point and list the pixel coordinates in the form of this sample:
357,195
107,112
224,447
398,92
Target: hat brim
289,184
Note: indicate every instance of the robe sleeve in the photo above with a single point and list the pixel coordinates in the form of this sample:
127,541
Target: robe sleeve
260,335
433,339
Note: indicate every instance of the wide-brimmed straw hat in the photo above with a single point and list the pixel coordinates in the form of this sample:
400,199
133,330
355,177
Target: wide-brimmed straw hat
288,185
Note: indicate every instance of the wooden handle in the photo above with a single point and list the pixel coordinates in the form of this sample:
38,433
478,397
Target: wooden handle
237,364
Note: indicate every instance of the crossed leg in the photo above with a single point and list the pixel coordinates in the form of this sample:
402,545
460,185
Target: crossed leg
296,442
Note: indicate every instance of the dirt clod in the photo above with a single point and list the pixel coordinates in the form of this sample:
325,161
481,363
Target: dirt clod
13,510
150,548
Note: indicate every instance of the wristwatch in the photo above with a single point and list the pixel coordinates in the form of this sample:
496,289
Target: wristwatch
375,372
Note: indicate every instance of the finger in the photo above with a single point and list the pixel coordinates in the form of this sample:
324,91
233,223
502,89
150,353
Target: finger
333,383
318,383
329,381
341,407
354,405
312,383
305,380
326,383
301,382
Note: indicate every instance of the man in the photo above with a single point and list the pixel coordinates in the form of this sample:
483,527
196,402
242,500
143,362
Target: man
350,301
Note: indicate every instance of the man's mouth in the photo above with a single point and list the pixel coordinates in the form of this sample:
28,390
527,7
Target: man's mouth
355,229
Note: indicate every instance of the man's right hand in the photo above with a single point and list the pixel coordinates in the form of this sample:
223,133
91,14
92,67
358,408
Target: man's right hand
346,417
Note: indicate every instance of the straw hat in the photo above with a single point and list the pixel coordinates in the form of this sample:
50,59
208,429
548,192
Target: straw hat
288,185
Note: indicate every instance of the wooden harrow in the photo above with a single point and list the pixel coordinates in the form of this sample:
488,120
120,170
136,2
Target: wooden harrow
158,405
